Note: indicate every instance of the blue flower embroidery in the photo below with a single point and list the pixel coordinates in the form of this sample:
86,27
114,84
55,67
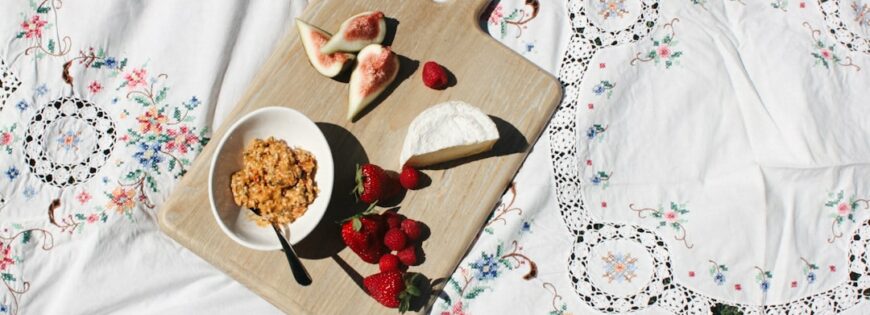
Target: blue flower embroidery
12,173
598,89
811,277
22,105
29,192
41,90
603,87
765,285
486,267
719,278
527,227
111,62
149,155
4,308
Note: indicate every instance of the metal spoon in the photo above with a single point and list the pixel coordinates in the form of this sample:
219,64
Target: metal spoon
299,271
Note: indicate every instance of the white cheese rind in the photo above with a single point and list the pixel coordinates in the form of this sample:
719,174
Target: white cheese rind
445,132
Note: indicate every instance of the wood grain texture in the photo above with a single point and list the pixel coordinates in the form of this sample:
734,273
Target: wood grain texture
520,97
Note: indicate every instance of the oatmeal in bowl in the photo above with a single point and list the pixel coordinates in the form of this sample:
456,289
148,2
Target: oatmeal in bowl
277,180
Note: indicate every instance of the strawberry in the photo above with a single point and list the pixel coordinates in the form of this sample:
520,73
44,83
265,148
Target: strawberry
411,229
363,234
373,184
408,256
409,178
390,262
434,75
395,239
393,219
392,289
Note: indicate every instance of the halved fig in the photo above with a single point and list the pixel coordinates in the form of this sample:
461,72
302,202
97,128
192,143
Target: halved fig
313,39
357,32
376,68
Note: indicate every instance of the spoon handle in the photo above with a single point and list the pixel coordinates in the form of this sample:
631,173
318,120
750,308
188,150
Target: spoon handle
296,266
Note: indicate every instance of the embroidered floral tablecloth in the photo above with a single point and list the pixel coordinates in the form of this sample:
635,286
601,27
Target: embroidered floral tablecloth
103,106
708,154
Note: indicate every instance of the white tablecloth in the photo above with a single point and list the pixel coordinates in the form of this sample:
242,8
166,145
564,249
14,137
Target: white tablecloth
146,81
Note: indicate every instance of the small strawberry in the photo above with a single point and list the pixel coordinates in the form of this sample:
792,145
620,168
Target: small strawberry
408,256
409,178
393,219
363,234
395,239
390,262
411,229
392,289
434,75
373,184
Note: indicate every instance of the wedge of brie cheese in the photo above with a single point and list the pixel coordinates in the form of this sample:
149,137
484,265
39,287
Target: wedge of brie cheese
445,132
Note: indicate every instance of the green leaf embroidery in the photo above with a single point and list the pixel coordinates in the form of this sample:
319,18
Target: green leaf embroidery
474,292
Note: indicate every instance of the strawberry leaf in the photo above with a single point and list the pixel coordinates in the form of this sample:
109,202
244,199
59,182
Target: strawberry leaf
357,224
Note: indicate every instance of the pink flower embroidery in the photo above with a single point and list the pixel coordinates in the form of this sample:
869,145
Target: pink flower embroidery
6,138
604,204
83,197
33,28
122,199
181,140
496,15
664,51
671,216
95,87
590,106
151,121
136,78
825,53
794,284
93,217
738,287
843,209
5,256
691,274
832,268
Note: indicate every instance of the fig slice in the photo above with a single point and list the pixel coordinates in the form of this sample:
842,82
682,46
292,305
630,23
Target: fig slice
376,68
358,32
313,39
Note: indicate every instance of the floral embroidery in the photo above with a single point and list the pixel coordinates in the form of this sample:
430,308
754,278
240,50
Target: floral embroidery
672,217
780,4
517,18
824,54
558,309
503,209
809,270
69,140
32,28
601,179
608,8
718,271
663,49
15,285
22,105
29,192
76,222
484,269
603,87
135,78
8,138
843,210
763,279
121,199
34,25
619,267
12,172
83,197
41,90
862,13
95,87
595,130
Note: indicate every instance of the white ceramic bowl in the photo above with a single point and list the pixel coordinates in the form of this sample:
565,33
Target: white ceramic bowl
281,123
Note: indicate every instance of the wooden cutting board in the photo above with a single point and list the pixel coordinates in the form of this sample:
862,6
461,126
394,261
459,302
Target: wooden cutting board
454,206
